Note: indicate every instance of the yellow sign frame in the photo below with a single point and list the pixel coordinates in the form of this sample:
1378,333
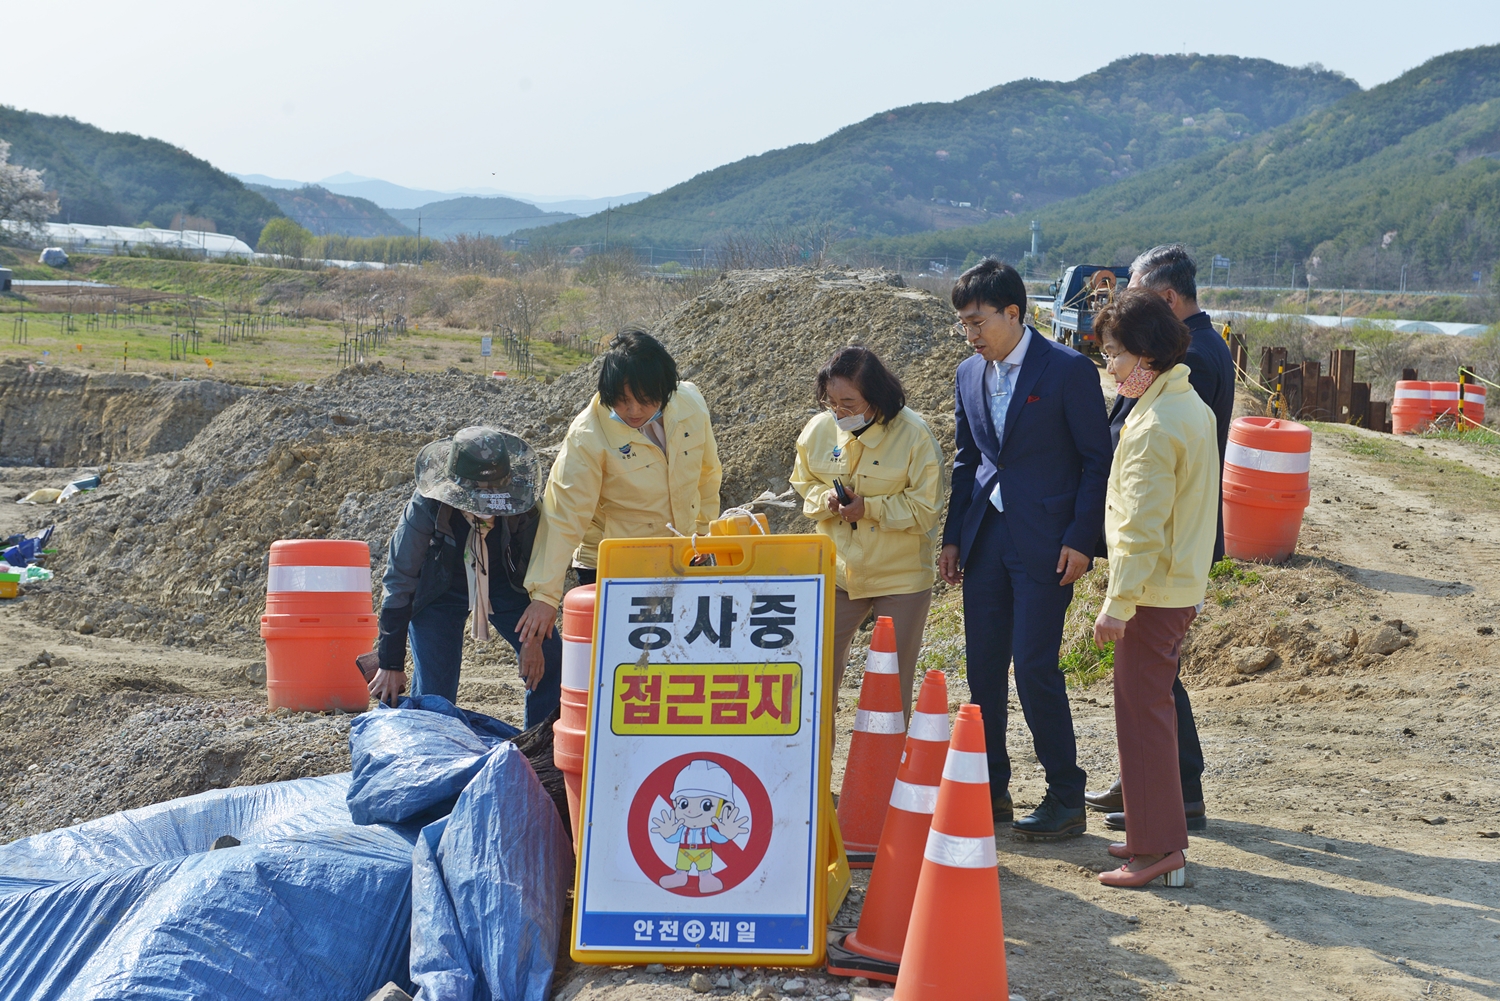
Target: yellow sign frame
747,556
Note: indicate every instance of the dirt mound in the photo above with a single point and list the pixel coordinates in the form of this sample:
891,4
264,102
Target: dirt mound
58,417
173,549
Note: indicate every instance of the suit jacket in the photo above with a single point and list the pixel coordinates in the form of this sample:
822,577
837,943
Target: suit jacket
1052,466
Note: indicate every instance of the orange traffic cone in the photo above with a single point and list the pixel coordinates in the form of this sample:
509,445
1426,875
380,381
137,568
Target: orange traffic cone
874,950
955,947
874,749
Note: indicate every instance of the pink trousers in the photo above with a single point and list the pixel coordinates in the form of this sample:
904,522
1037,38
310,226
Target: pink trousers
1146,729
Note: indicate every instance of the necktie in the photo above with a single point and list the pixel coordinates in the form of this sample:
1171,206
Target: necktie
999,404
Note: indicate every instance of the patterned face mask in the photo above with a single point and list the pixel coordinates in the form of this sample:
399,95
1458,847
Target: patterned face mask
1135,386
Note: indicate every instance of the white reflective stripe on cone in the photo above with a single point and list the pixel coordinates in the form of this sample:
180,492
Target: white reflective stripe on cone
966,766
868,721
575,664
1413,394
914,798
1472,397
284,578
1266,461
880,662
960,853
1444,394
929,726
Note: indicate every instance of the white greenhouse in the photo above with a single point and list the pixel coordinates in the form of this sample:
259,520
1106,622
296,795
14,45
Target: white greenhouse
123,239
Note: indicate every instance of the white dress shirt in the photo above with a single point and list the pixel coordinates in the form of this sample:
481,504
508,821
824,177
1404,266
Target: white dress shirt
1008,369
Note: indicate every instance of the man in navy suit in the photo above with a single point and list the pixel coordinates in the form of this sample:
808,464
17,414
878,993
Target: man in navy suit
1027,508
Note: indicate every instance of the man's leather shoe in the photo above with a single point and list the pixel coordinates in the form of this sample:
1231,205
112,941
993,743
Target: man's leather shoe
1197,818
1111,800
1004,811
1051,821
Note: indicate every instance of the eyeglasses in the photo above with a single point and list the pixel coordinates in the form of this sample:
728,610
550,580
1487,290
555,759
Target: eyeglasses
965,326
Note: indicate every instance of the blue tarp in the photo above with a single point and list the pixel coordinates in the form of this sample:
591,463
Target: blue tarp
312,904
488,887
135,906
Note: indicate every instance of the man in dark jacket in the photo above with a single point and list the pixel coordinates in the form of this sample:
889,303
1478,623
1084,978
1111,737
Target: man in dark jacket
1027,507
1170,273
462,547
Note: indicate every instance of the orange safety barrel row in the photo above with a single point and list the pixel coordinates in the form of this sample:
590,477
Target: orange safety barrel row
319,617
570,731
1265,487
1411,406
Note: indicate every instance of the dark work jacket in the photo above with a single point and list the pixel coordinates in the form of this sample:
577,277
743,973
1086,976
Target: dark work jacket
1211,373
426,560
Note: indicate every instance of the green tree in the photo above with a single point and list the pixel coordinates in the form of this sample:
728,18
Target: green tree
284,238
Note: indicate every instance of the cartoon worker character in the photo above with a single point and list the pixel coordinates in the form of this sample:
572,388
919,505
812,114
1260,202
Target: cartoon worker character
703,814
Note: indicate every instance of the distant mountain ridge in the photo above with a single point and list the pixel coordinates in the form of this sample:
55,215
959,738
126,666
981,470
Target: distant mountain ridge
476,216
1402,178
395,196
1007,150
122,179
322,212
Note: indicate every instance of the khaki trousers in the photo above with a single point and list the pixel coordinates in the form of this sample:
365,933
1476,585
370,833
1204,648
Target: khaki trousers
909,614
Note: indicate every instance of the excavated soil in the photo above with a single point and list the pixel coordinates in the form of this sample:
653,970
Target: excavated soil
1347,700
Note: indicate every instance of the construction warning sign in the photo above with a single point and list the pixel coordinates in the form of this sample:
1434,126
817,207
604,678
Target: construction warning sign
705,778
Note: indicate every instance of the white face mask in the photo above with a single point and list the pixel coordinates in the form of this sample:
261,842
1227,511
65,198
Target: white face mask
616,417
852,423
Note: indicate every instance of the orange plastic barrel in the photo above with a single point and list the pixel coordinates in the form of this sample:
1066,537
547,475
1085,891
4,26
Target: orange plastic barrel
571,728
1474,400
319,617
1265,487
1411,407
1444,400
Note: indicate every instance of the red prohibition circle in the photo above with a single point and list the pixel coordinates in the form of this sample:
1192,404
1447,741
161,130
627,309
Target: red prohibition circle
739,862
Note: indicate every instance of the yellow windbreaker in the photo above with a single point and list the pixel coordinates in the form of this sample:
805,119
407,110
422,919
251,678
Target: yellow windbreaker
1161,511
898,468
610,481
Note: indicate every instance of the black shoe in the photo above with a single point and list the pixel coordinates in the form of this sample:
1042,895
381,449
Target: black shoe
1110,800
1197,818
1051,821
1004,811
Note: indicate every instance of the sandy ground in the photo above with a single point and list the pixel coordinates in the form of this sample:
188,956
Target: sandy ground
1345,855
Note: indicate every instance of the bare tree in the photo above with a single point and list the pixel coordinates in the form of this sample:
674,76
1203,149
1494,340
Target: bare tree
24,200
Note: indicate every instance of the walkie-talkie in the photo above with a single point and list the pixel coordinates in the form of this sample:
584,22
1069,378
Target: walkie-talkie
843,496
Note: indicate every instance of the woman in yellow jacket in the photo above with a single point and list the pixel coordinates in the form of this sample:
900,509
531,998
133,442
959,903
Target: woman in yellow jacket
1160,519
888,464
638,462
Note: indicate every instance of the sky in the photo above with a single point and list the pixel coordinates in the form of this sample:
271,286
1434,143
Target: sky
590,98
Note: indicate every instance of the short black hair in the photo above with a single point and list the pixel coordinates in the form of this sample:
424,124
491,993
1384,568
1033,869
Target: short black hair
880,388
637,361
1167,266
993,282
1145,326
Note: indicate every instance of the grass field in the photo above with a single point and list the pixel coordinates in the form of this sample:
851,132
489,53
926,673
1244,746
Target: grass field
304,351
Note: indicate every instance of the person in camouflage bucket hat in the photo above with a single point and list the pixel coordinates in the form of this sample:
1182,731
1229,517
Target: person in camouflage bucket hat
460,553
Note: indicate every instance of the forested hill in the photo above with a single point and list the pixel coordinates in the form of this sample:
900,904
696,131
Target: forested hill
1406,174
323,212
1007,150
116,178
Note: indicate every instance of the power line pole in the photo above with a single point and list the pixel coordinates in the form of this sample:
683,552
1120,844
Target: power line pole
607,210
419,241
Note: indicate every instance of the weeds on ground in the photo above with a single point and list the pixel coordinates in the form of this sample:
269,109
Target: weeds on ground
1453,485
1226,577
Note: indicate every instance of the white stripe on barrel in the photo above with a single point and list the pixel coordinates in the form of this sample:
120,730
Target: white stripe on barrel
959,853
914,798
880,662
1470,396
289,578
869,721
575,664
966,766
1413,394
929,726
1267,461
1444,394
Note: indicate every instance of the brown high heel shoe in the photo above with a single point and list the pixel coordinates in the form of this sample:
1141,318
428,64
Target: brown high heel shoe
1172,869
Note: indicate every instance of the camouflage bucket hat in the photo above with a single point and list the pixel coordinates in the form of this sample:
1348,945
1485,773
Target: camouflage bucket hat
481,470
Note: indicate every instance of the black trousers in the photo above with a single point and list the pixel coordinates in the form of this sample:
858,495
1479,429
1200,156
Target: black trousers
1189,750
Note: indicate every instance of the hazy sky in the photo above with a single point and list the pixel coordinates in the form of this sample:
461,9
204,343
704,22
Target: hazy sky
588,98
